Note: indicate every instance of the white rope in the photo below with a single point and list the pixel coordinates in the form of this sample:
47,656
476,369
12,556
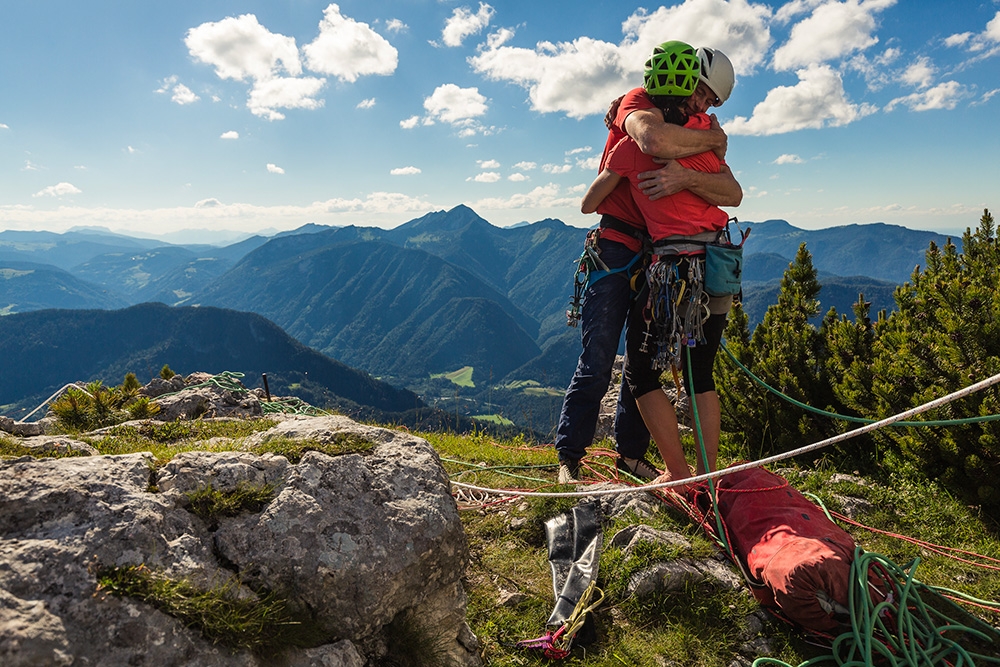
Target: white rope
46,401
961,393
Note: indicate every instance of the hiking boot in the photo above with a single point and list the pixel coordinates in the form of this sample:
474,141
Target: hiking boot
569,471
640,468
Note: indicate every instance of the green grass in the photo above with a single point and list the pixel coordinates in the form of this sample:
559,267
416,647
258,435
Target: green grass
462,377
263,624
494,419
704,626
212,504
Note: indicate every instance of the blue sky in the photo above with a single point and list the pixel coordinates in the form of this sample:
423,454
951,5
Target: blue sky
150,118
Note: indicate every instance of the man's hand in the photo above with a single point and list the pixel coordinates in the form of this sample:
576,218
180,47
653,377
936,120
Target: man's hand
669,180
723,146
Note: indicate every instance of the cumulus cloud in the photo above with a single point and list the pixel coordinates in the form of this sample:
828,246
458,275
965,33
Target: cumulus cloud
180,93
4,126
456,106
919,73
395,25
833,30
582,76
544,196
985,44
410,123
58,190
404,171
366,104
347,49
274,169
557,168
942,96
211,202
268,96
241,48
485,177
231,134
526,166
463,23
488,164
788,158
817,100
517,177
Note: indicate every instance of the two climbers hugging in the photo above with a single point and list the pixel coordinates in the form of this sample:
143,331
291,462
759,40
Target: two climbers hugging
663,178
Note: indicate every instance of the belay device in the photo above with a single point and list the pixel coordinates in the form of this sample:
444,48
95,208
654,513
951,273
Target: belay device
574,541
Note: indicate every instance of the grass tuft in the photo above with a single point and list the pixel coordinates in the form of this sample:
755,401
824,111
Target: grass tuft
224,614
211,504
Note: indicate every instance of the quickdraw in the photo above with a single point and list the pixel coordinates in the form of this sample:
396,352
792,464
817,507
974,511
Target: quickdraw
589,261
676,309
591,268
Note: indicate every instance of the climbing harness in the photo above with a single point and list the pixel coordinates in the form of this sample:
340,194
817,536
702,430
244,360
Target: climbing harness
677,306
590,268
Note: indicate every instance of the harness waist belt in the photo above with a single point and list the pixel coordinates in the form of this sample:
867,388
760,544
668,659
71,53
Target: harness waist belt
618,225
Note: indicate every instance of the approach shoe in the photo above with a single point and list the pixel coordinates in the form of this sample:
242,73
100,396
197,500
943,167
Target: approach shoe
640,468
569,471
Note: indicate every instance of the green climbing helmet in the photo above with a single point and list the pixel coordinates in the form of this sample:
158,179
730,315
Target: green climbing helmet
673,69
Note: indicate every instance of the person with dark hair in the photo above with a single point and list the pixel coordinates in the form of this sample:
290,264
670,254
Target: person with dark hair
674,311
621,243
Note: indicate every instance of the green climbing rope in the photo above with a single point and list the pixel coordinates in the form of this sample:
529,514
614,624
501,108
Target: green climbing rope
857,420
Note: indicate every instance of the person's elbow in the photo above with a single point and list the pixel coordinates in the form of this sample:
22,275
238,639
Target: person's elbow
588,206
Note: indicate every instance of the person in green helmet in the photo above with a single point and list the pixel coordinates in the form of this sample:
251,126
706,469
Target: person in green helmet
680,224
608,298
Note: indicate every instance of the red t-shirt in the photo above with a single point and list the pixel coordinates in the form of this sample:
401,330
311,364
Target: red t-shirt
620,203
684,213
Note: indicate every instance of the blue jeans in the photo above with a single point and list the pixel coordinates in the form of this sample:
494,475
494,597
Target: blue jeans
606,306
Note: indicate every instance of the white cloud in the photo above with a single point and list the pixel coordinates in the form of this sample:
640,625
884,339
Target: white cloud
181,94
581,77
958,39
58,190
877,71
395,25
919,73
131,150
526,166
817,100
591,163
274,169
347,49
986,43
4,126
410,122
231,134
456,106
366,103
576,151
463,23
485,177
404,171
788,158
266,97
557,168
517,177
488,164
208,203
832,31
942,96
544,196
30,166
241,48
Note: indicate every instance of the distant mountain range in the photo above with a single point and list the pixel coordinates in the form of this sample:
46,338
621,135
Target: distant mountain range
441,292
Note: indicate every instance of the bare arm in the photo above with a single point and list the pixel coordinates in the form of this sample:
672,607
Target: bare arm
666,140
721,189
602,186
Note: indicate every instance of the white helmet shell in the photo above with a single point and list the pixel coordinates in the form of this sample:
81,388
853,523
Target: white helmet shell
717,72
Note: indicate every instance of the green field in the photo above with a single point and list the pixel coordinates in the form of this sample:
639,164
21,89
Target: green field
462,377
